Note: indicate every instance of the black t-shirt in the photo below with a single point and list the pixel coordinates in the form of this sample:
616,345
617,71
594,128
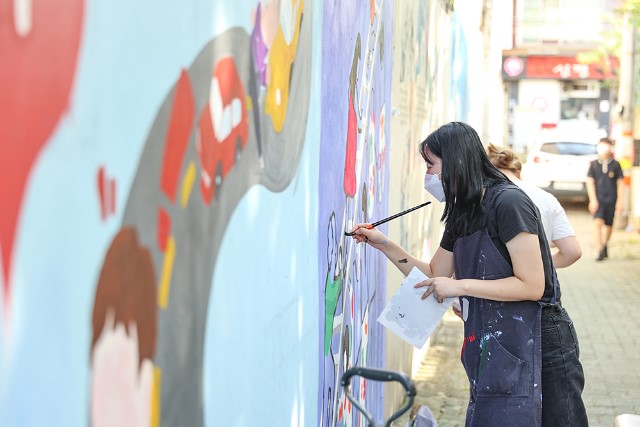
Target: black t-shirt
606,176
508,211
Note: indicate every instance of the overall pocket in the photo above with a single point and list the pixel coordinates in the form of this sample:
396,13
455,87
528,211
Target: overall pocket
500,373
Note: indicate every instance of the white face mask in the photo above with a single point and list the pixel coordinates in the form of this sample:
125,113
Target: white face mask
603,149
433,185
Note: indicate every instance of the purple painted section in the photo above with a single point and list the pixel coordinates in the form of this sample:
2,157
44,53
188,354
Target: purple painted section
259,48
353,187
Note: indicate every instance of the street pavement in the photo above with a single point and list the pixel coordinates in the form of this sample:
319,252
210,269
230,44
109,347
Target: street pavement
602,299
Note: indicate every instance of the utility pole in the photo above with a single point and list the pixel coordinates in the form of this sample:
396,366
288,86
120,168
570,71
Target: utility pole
624,144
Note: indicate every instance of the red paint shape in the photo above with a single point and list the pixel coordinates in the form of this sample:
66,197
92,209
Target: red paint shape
164,225
470,338
350,154
101,193
36,77
106,194
180,124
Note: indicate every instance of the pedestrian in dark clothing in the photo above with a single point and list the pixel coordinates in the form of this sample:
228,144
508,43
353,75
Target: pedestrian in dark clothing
604,184
520,349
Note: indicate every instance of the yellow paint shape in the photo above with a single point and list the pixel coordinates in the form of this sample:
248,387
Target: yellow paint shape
281,57
155,397
167,269
249,103
187,183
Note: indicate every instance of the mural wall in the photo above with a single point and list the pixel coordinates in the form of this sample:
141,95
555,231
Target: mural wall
356,84
176,184
428,89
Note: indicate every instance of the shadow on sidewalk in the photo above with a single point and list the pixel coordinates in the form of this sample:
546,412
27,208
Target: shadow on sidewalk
441,381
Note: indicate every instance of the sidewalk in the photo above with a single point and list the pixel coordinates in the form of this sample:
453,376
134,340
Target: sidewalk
602,298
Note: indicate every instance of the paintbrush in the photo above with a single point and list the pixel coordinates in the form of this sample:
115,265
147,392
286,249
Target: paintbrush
382,221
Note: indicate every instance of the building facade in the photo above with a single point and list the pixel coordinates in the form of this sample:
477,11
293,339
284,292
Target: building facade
544,82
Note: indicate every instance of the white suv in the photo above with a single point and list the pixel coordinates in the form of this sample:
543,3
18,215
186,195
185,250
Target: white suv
559,162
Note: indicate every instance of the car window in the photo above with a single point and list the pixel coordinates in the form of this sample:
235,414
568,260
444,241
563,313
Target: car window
570,148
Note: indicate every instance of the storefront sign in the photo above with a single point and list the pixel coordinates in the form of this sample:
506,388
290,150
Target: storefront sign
554,67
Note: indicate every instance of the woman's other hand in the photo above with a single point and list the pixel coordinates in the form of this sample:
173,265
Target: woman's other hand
440,287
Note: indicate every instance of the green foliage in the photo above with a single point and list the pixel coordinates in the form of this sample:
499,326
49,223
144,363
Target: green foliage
611,41
633,8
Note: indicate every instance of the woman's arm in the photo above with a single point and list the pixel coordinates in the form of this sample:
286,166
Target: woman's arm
569,251
527,282
402,260
441,263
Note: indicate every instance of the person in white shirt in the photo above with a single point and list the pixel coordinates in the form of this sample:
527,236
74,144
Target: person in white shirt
554,219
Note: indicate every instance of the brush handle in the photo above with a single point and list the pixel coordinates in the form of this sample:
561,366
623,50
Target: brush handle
382,221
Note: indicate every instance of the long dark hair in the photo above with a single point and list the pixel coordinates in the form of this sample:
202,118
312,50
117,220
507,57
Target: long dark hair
466,172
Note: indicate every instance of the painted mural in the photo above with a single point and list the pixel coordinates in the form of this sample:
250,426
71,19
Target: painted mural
353,183
459,94
226,126
176,187
426,94
411,122
233,117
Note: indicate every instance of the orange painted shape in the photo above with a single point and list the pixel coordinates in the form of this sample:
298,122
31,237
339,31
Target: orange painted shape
372,11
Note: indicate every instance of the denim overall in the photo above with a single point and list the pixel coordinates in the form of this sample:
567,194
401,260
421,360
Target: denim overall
502,351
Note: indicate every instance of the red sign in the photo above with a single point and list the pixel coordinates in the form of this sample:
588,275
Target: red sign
566,68
555,67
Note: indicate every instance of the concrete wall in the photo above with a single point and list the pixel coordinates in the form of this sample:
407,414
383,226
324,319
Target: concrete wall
177,180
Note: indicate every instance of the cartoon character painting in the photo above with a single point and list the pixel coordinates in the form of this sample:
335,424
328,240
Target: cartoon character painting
124,337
